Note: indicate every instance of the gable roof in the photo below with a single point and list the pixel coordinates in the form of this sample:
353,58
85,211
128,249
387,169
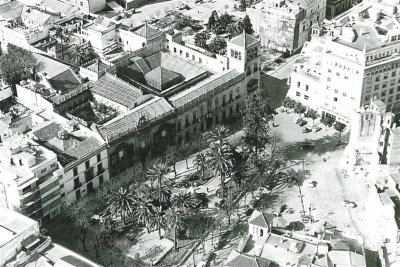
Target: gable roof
50,66
59,6
116,90
261,219
244,40
36,15
128,122
80,150
65,81
62,145
346,258
147,31
235,259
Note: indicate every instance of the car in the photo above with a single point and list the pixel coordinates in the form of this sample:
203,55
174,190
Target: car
309,128
302,122
316,128
296,120
305,130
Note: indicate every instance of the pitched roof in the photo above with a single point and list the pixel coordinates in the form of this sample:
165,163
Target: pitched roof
244,40
261,219
147,31
58,6
80,150
116,90
161,76
346,258
11,10
65,81
128,122
46,130
203,87
50,66
36,15
62,145
235,259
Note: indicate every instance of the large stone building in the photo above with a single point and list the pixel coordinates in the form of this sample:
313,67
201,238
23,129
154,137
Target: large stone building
336,7
285,25
350,61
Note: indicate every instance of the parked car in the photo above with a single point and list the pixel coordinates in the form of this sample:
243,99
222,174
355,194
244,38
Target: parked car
316,128
296,120
309,128
305,130
302,122
349,204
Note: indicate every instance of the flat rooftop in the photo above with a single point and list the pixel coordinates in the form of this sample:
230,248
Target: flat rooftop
13,224
28,150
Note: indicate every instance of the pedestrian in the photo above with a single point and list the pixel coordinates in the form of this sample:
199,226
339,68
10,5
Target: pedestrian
207,189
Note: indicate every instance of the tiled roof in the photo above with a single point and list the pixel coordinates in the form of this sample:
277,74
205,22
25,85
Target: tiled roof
116,90
80,150
127,123
141,64
46,130
261,219
50,66
58,6
36,15
147,31
244,40
202,88
11,10
62,145
161,76
236,259
346,258
65,81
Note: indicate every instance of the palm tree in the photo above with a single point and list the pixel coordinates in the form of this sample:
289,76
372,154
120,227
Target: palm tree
62,36
200,163
296,178
122,202
219,159
219,135
144,209
157,172
173,218
184,201
77,54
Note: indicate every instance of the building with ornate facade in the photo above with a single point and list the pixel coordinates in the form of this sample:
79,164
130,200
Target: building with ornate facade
349,61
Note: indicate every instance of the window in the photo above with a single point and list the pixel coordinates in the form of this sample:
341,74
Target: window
237,108
78,194
384,85
53,165
390,98
179,125
200,60
383,94
306,87
174,49
328,79
100,168
121,154
368,90
180,52
377,79
329,70
335,99
298,84
87,164
336,91
367,98
43,171
216,102
194,116
209,108
193,58
397,96
344,94
337,74
26,189
393,73
298,93
237,93
201,111
187,123
391,90
306,97
376,87
224,100
98,158
187,54
230,96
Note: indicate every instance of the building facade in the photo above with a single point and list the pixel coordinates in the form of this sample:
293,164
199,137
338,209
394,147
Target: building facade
345,67
286,25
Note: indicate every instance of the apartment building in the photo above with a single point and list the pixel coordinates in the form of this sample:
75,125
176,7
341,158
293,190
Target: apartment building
285,25
349,62
21,244
30,178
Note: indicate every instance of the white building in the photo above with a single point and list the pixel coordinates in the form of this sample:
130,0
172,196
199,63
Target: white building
350,61
29,178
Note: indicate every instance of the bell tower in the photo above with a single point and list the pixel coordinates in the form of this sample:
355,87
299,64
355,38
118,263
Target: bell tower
244,56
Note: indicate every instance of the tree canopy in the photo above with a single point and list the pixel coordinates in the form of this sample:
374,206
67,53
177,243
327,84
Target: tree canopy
247,26
18,64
